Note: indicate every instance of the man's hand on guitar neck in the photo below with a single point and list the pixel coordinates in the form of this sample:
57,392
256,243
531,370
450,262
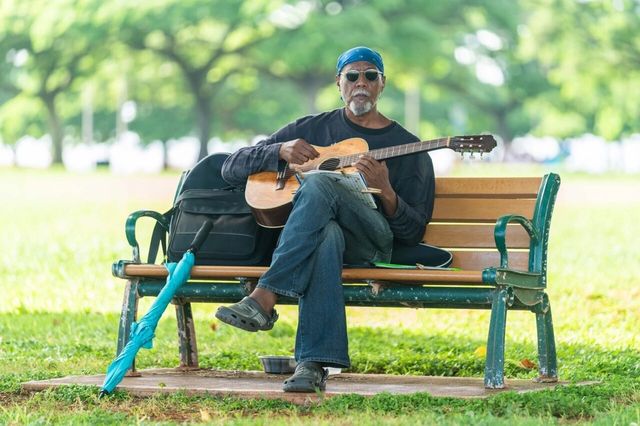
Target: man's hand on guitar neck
297,151
376,174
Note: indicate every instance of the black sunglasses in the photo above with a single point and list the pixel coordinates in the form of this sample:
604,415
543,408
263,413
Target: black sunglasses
353,75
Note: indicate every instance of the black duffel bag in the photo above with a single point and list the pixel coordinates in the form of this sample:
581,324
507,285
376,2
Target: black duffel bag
235,239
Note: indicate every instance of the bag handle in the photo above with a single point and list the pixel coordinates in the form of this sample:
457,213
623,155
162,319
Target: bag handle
159,237
201,193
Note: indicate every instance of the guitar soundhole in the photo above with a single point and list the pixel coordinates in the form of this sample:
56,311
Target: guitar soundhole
330,164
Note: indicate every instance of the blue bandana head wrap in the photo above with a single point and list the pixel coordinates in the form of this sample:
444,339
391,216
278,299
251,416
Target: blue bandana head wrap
360,53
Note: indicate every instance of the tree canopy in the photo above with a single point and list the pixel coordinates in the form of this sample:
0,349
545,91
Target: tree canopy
244,67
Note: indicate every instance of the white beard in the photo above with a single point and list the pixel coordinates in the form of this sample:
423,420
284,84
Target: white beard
359,109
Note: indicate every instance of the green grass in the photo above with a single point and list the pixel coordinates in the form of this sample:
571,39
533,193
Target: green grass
60,305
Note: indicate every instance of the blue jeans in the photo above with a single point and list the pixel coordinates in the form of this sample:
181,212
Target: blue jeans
326,228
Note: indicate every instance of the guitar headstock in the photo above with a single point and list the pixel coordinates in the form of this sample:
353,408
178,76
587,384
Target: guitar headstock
472,143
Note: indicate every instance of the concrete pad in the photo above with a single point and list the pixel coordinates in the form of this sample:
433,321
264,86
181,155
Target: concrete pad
253,384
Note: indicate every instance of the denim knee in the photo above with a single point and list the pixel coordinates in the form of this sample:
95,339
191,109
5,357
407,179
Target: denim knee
332,233
318,184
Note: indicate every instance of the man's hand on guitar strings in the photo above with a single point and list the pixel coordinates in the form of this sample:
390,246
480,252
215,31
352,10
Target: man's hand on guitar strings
297,151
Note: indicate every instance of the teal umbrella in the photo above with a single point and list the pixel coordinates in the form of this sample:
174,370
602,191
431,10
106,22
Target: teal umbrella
143,331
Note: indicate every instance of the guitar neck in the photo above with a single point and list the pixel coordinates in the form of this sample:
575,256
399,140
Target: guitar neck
396,151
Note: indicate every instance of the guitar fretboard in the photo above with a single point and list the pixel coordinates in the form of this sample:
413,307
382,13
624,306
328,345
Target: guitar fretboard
395,151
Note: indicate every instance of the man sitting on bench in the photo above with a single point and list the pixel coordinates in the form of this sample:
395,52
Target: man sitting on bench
328,226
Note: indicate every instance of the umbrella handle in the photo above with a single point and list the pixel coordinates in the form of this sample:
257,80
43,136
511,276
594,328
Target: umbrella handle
201,236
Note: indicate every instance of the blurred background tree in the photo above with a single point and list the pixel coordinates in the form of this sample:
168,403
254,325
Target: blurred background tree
206,42
591,50
238,68
48,46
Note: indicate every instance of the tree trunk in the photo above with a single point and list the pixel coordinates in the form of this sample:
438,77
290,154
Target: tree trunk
203,97
87,115
165,155
203,117
311,86
505,132
412,109
503,127
55,127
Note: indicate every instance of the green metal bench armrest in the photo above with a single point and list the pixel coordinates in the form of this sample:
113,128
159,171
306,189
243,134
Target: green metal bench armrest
130,228
511,278
500,232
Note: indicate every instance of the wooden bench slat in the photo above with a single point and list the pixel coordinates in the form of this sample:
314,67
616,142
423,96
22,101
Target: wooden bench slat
472,263
350,274
488,187
478,260
479,210
474,235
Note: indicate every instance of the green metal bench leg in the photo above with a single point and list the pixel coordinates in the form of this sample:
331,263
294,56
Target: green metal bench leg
494,367
546,343
187,336
127,317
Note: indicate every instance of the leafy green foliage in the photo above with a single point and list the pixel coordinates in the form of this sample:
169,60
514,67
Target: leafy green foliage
591,52
238,68
46,47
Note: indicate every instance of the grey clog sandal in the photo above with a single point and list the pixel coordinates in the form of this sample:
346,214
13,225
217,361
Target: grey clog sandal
248,315
308,377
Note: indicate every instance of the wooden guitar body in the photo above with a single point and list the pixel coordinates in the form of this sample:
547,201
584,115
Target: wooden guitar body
271,203
269,194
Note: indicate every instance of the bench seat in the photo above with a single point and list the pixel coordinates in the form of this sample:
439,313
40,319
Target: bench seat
496,228
349,275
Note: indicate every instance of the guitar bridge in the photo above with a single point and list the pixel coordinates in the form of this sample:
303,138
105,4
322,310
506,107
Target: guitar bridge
281,179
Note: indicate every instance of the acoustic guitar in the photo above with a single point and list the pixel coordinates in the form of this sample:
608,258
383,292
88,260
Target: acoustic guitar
270,194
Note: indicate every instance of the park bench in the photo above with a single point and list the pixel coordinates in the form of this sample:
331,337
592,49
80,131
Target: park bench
496,228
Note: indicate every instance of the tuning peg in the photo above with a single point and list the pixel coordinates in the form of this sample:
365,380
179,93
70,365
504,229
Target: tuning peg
472,156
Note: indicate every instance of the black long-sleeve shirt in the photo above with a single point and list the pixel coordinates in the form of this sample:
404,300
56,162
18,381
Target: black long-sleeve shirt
411,176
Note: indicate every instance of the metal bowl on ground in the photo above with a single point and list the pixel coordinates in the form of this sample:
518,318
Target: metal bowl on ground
274,364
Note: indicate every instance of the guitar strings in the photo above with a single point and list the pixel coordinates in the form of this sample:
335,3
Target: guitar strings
389,152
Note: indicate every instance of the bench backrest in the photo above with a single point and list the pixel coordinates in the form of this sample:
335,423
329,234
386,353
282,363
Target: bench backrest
466,210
